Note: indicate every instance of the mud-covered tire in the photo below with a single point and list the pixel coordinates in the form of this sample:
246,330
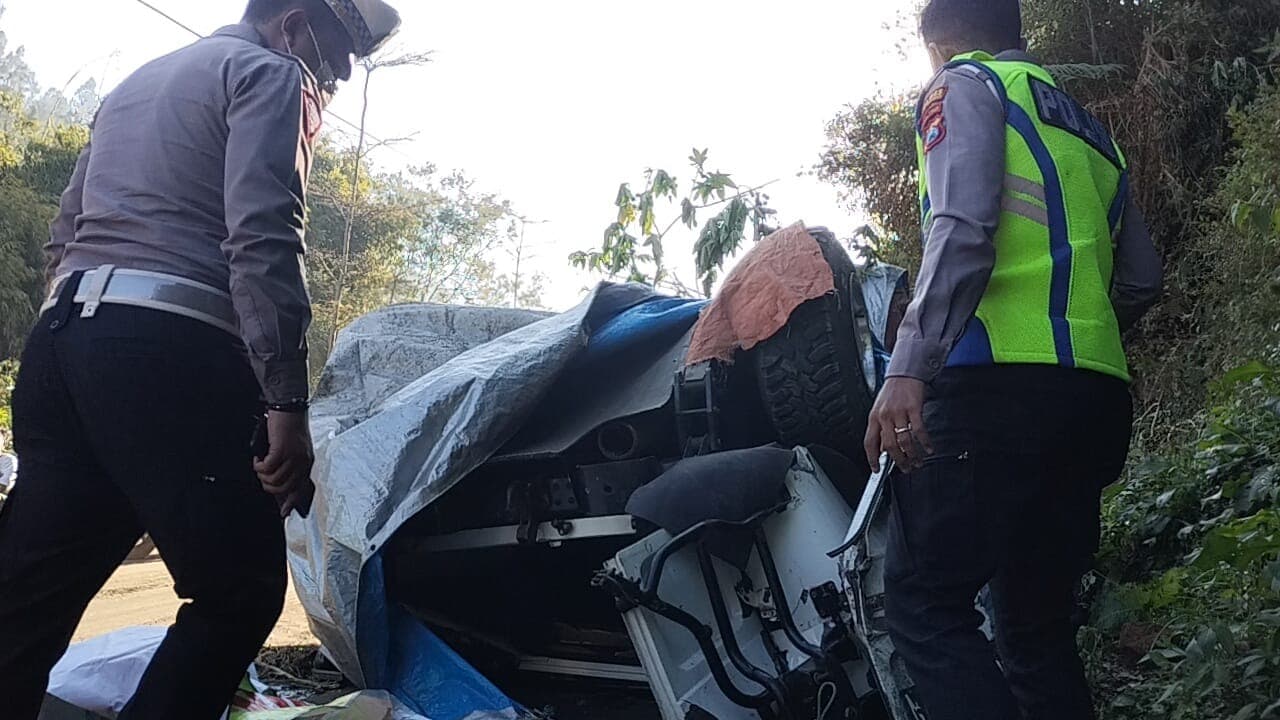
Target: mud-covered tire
810,373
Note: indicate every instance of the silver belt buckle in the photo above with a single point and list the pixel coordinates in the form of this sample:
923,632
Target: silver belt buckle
97,287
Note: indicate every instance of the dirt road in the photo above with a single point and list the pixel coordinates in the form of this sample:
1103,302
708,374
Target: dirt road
142,594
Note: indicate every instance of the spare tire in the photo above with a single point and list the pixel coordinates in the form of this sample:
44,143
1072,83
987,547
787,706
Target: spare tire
810,373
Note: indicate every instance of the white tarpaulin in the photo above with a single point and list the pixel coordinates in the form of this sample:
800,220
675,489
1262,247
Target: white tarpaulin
412,400
101,675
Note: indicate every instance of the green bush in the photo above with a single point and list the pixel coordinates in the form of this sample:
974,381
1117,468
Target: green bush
871,159
1227,302
1187,624
35,161
8,374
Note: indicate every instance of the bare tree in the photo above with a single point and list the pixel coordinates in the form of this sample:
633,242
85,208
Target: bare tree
518,253
370,65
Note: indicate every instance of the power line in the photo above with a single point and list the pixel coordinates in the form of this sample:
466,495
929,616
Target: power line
201,36
168,17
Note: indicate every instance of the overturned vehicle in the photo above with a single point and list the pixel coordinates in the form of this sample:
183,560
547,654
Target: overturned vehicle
645,490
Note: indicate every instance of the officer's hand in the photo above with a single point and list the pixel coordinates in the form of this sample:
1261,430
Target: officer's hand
286,471
900,407
300,499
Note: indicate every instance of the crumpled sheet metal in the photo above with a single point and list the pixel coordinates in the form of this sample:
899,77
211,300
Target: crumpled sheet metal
389,442
778,275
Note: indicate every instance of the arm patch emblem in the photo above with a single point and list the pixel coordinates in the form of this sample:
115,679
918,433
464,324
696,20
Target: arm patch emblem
932,122
934,131
932,106
935,98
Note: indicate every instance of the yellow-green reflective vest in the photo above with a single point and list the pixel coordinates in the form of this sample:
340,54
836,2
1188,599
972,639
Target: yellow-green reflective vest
1048,301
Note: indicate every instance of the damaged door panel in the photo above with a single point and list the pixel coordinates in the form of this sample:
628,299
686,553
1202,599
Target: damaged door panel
757,635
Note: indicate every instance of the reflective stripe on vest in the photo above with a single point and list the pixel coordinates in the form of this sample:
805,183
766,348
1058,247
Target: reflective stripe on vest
1062,205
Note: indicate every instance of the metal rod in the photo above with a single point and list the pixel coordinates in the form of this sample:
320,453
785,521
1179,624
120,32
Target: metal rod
701,633
730,640
829,665
780,603
652,574
771,644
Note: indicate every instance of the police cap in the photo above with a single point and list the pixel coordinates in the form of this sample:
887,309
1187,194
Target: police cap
371,23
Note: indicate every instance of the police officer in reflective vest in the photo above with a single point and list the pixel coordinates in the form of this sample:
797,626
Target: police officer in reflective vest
1007,409
177,315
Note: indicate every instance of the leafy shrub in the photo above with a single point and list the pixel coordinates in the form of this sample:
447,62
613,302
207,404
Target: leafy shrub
1226,308
871,159
8,374
1188,622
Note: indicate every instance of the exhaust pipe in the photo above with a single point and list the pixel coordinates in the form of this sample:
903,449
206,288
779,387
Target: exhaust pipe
618,441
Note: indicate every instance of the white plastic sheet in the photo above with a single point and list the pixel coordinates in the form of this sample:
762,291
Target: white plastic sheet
101,675
398,420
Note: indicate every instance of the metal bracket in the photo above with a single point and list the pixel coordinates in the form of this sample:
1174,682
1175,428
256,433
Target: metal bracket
98,280
548,533
696,410
876,488
828,601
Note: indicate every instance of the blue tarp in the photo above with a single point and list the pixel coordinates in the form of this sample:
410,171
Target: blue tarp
401,655
659,320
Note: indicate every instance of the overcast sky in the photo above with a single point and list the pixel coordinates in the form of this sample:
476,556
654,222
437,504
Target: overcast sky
553,103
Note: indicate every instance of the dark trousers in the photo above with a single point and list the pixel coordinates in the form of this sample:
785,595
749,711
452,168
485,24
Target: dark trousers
129,422
1010,500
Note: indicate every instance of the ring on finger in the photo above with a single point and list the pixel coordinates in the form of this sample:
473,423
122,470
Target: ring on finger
897,443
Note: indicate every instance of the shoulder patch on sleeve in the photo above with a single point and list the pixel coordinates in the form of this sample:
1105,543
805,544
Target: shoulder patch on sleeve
934,130
932,105
933,119
312,116
935,97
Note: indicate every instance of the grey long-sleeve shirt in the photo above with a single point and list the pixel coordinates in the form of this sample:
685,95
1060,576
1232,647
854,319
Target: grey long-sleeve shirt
965,172
197,167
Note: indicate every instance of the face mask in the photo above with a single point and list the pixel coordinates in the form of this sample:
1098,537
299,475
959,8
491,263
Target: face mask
325,77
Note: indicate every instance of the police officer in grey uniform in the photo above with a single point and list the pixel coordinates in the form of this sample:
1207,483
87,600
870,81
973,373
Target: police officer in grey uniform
1002,458
178,313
